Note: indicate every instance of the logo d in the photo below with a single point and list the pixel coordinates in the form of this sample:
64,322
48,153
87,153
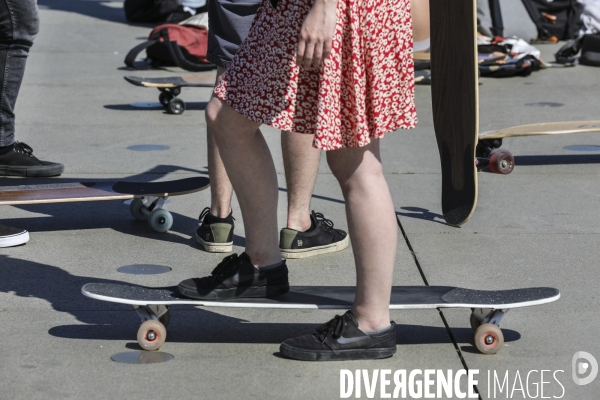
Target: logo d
579,367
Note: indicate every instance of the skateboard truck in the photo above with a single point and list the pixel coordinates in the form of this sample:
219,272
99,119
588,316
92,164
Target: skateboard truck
168,98
149,208
490,155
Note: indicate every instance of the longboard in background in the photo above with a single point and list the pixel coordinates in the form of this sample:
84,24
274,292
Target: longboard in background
487,306
170,88
148,197
502,161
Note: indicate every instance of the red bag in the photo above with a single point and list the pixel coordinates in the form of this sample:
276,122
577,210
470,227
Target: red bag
182,45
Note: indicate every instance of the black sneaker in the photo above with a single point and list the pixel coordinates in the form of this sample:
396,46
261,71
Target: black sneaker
215,234
236,277
340,339
320,238
20,161
12,236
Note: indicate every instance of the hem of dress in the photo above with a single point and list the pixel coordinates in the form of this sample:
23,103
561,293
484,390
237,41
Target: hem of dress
401,126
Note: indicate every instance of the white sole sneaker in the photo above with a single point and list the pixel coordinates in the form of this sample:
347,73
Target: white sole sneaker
215,247
315,251
16,239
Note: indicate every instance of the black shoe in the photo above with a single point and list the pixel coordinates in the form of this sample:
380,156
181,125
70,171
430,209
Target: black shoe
215,234
340,339
320,238
12,236
20,161
236,277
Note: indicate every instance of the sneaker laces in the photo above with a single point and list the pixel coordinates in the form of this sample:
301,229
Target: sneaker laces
334,328
223,265
327,224
204,213
23,149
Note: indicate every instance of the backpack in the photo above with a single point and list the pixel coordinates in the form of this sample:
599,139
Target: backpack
555,19
590,50
184,46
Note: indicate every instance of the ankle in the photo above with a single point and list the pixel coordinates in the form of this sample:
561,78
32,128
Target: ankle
262,260
220,212
300,223
371,322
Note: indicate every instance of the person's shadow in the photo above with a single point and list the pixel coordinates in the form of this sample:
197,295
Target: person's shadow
100,9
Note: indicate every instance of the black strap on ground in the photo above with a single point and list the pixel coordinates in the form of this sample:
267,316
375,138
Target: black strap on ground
133,53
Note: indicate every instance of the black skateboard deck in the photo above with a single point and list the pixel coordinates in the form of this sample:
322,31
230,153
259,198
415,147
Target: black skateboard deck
454,90
490,306
148,197
170,88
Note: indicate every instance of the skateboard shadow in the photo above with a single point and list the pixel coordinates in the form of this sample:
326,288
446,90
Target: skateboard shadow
559,159
155,106
189,325
422,213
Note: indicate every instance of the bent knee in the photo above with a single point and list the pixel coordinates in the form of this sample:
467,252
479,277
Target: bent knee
212,112
31,26
25,23
353,171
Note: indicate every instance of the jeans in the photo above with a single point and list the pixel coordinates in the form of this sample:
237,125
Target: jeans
19,23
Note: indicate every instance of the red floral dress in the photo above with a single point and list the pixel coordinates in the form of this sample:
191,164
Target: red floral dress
364,89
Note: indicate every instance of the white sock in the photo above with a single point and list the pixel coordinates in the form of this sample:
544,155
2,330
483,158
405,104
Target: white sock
378,330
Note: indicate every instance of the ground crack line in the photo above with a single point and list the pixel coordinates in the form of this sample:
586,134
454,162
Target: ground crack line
458,351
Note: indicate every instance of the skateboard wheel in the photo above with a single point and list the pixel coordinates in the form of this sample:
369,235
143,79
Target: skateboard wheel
501,162
160,220
489,339
136,209
165,319
164,98
176,106
151,335
475,323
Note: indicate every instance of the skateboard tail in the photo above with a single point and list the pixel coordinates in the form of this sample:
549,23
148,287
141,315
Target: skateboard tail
459,198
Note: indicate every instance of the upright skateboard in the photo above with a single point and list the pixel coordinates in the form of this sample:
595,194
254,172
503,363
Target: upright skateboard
170,88
454,92
488,307
148,197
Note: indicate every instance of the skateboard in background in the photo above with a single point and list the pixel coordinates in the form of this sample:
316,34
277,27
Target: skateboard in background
147,198
487,307
501,161
170,88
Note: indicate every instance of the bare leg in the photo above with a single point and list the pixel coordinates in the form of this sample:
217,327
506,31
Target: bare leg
250,168
372,228
420,19
301,163
220,186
